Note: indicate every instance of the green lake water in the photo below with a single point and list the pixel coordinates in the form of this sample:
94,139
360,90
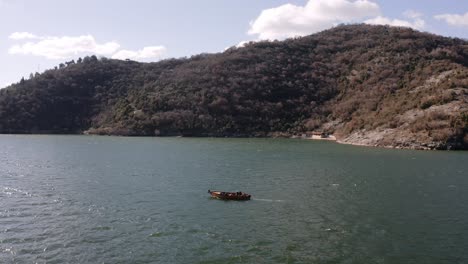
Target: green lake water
86,199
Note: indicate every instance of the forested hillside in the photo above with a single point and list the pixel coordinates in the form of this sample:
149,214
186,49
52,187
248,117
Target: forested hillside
370,85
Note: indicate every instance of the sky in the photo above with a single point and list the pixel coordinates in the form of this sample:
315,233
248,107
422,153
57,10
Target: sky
36,35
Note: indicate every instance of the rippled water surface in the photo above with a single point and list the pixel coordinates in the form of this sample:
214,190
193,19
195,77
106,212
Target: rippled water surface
78,199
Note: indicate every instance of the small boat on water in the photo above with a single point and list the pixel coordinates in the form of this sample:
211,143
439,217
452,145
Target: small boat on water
239,196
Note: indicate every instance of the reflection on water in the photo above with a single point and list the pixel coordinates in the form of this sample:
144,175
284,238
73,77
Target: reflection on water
118,200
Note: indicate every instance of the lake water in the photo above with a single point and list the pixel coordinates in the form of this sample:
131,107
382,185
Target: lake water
85,199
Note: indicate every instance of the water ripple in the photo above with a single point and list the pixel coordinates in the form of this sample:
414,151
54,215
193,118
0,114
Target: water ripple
138,200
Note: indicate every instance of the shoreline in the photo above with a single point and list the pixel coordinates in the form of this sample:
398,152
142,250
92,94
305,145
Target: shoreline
331,138
358,144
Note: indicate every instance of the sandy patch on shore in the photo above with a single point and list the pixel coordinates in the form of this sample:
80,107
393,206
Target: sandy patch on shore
315,137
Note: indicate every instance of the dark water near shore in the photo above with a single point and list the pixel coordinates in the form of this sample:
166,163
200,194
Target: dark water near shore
78,199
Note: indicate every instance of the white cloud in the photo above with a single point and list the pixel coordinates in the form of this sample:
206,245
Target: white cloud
291,20
417,23
22,35
147,53
243,43
412,14
454,19
64,47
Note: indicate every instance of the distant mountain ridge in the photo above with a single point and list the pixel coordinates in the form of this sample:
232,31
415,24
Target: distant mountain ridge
368,85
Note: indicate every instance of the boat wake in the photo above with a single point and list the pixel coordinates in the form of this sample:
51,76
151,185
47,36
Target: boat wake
267,200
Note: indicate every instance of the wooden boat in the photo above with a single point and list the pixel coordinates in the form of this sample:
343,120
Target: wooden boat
239,196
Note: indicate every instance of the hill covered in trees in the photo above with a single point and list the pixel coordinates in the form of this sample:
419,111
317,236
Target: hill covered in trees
370,85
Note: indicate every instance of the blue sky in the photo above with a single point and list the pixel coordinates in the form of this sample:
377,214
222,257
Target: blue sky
38,34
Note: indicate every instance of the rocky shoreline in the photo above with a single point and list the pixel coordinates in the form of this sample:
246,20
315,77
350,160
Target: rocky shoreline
379,139
393,139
